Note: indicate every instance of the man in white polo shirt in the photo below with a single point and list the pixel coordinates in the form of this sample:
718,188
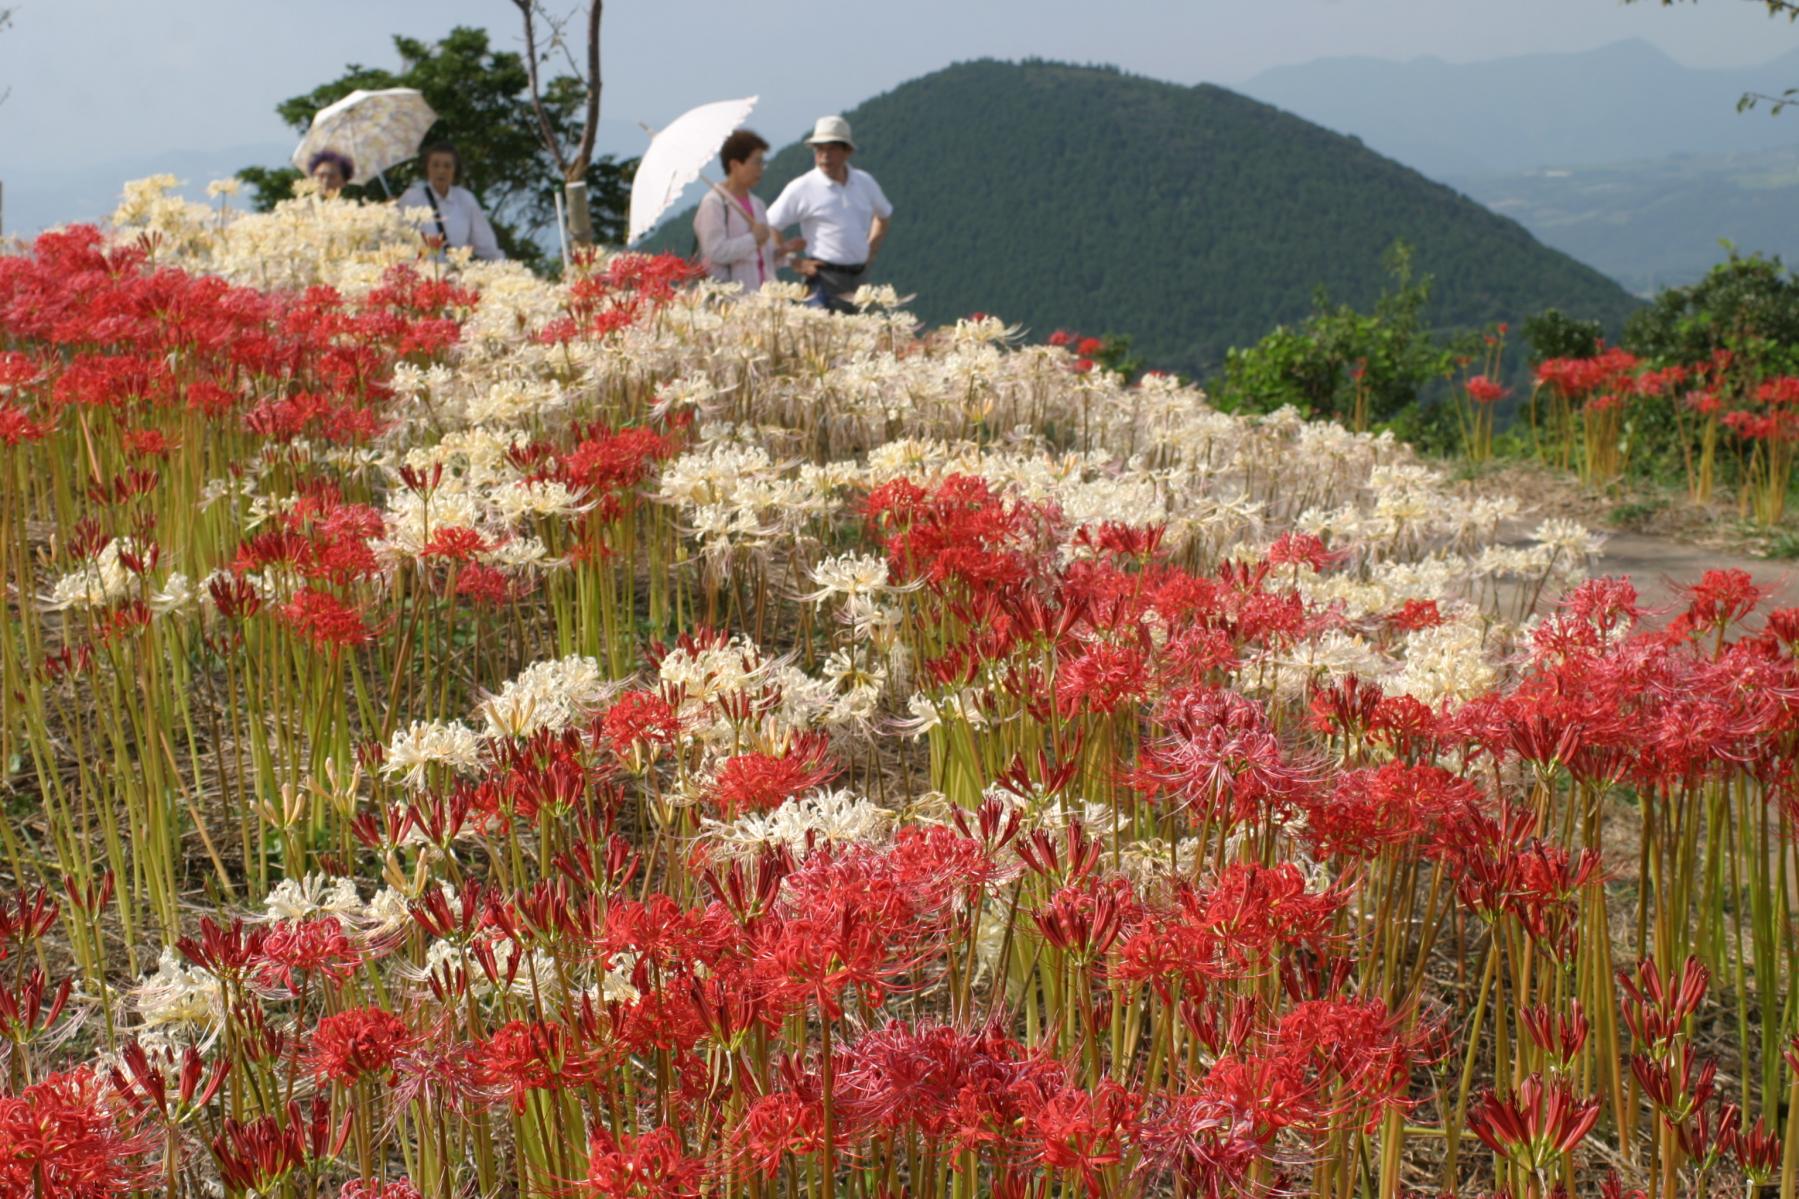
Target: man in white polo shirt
841,212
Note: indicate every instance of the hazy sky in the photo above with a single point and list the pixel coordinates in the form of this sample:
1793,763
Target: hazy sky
95,81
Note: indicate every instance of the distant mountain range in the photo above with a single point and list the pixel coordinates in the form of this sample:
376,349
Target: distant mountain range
1193,218
1658,223
1621,103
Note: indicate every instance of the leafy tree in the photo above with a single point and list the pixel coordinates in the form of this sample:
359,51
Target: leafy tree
483,104
1553,334
1748,306
1360,367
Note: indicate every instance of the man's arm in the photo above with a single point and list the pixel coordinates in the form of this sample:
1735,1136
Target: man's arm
883,216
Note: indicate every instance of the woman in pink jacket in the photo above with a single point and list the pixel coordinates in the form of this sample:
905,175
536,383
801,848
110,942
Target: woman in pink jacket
736,244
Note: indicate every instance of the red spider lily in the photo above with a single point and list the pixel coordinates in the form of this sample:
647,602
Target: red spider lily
1578,378
1537,1125
1199,1140
650,1165
947,871
1416,614
639,721
1078,858
369,1188
1677,1084
1756,1148
25,917
1396,805
1502,870
1346,708
258,1154
1080,921
1137,543
312,946
995,823
86,897
1252,910
1720,599
1483,390
1221,759
915,1077
143,1084
1306,548
963,534
1606,605
347,1045
1560,1035
775,1127
404,289
857,919
1102,678
454,543
760,782
228,951
1656,1009
1078,1132
63,1138
524,1056
234,598
490,587
441,1071
605,463
1707,1133
1362,1045
1266,1093
326,621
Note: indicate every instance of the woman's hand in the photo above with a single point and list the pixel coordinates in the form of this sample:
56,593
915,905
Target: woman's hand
762,232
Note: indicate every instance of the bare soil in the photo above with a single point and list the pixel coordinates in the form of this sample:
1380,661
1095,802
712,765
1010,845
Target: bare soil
1654,535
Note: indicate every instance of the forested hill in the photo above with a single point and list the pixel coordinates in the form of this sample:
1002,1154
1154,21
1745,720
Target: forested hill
1192,218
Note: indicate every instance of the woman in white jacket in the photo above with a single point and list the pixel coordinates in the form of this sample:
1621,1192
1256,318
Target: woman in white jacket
736,244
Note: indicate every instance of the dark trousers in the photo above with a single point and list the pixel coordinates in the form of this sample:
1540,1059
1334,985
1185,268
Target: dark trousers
833,284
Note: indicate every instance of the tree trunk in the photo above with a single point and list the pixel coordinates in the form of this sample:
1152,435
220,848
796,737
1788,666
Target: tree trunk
580,217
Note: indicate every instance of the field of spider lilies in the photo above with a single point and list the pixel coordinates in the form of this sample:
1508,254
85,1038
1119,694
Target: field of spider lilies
472,736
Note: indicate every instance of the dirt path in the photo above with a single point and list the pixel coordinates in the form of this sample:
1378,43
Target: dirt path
1662,568
1675,543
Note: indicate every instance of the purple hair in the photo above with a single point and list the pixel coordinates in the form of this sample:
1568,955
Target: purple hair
341,161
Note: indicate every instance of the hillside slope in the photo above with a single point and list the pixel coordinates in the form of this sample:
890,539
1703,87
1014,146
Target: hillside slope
1194,219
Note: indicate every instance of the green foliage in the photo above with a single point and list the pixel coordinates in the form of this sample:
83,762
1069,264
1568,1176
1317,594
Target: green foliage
1357,367
1749,306
1552,334
1636,514
483,104
1194,217
1115,355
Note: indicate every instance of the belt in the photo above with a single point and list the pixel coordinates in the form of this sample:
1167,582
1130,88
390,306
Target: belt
846,268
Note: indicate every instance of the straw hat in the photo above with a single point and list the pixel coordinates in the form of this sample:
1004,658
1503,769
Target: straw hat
831,129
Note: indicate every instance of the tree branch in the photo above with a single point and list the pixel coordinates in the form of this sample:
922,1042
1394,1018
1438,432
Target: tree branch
590,127
544,129
1776,8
